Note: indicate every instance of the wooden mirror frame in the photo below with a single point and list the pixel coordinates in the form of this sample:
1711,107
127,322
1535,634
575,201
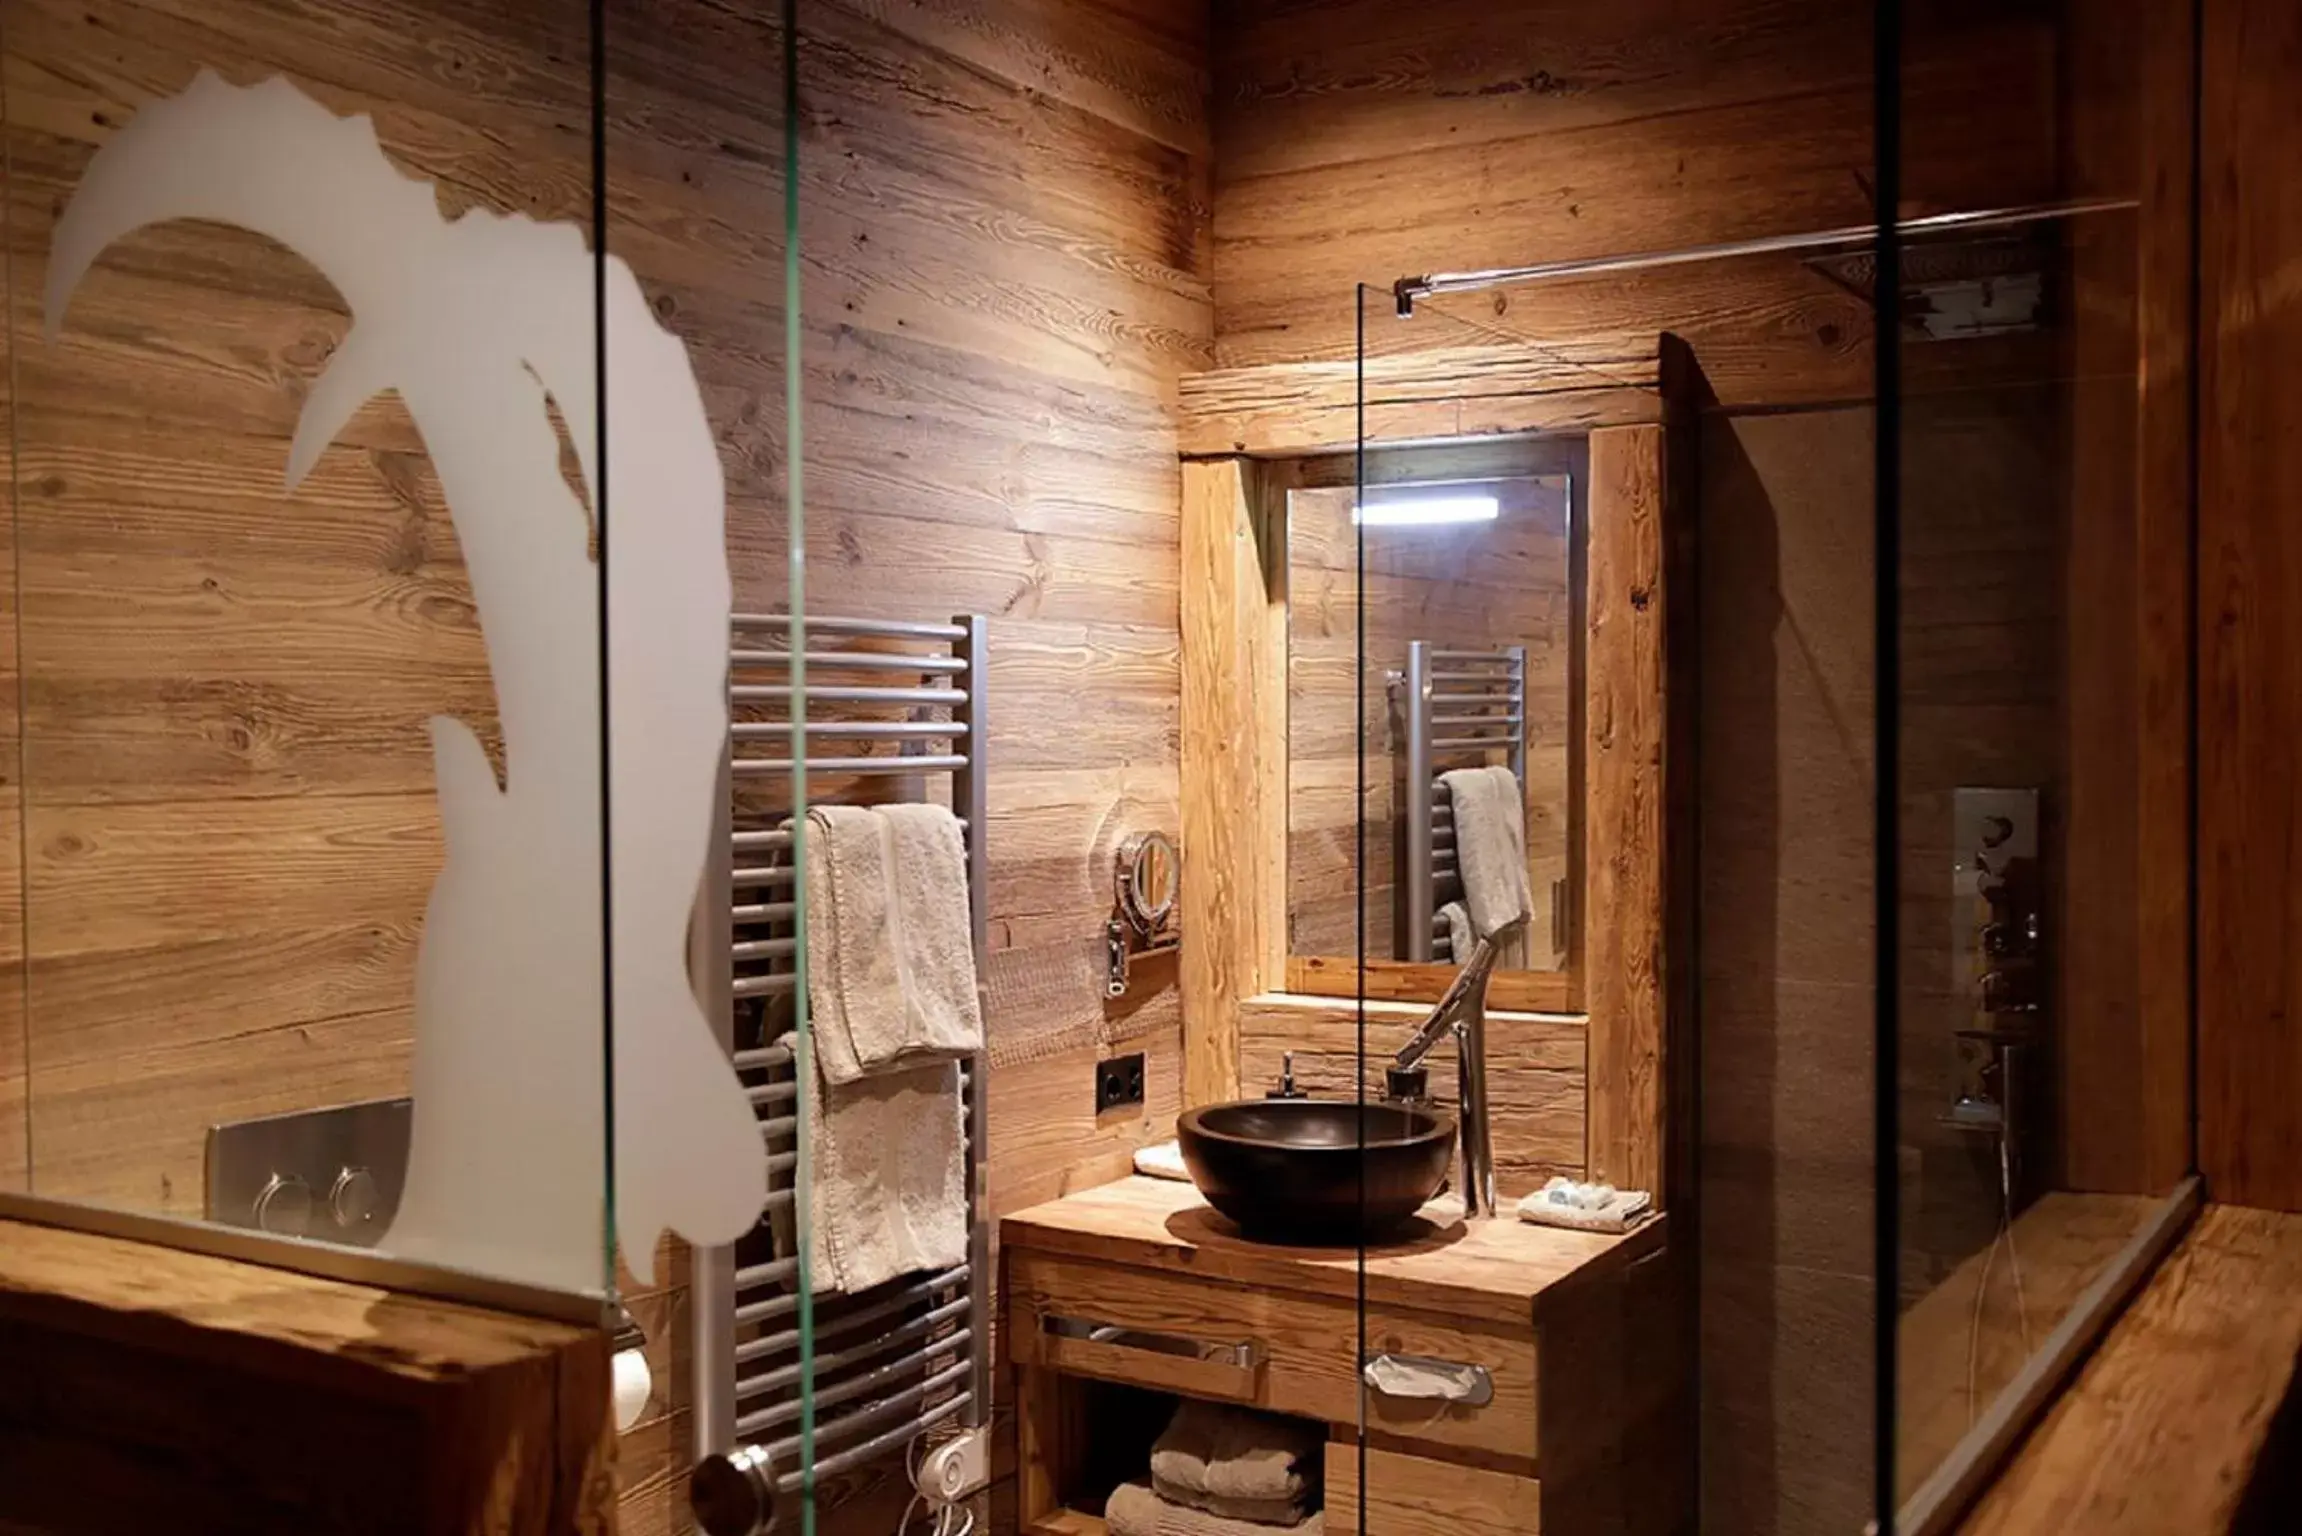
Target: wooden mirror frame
1234,731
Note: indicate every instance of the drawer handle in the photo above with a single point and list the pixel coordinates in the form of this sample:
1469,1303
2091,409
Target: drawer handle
1452,1381
1246,1354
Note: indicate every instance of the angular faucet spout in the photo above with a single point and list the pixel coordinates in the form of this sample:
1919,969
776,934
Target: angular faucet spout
1462,1012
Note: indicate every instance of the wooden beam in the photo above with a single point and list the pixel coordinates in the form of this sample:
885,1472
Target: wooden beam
1234,755
1411,981
2249,713
1283,409
162,1390
1623,808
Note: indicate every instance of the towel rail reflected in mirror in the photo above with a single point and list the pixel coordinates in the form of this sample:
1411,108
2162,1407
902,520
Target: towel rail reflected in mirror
912,1355
1433,622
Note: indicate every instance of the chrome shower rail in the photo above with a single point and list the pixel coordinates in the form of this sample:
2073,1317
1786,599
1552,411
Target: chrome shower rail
1462,709
915,1353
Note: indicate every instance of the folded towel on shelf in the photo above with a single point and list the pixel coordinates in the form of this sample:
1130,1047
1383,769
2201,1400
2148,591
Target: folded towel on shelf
1462,938
1252,1511
1137,1510
1491,852
1163,1160
1237,1453
1586,1207
890,937
889,1192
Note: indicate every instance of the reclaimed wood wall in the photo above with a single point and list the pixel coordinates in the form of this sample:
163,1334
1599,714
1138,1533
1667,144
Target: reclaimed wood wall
1364,141
2249,608
226,791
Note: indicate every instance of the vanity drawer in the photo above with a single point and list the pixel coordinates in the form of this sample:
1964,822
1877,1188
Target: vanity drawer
1411,1496
1282,1350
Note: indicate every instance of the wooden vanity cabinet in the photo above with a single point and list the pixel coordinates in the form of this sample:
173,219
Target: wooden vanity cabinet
1557,1343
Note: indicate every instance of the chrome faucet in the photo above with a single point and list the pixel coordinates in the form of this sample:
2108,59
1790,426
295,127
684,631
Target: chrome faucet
1462,1011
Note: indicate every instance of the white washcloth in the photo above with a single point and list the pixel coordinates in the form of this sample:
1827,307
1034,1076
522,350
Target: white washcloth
1455,920
1491,850
1163,1160
1586,1207
889,1193
891,953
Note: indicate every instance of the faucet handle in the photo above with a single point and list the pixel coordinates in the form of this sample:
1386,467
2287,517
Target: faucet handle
1286,1088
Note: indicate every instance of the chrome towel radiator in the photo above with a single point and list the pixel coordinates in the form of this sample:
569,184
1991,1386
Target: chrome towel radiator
1464,709
914,1354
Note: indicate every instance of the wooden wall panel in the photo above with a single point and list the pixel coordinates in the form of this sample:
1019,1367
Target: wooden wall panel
1370,142
1537,1072
1787,953
1006,260
2123,982
1625,762
1234,760
2250,609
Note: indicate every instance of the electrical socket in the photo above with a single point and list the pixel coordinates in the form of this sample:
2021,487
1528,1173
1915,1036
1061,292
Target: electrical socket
958,1467
1119,1082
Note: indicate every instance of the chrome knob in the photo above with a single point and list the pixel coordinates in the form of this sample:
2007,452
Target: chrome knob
734,1494
354,1199
284,1205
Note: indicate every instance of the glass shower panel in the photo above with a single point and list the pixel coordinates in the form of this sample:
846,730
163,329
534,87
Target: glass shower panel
308,573
2043,574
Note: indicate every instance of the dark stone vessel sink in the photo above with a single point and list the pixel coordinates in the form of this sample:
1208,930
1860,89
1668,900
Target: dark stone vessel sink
1291,1169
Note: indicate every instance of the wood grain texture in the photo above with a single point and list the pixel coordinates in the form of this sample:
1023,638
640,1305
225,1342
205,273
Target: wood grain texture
1384,141
1234,763
1408,981
2162,1428
1624,768
1536,1082
155,1388
2124,964
2250,611
1307,1343
1284,409
1485,1271
1408,1495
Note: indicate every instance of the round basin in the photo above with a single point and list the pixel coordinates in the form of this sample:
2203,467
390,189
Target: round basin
1297,1170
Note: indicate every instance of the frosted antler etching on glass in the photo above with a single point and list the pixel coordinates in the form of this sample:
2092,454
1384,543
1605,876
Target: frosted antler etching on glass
475,321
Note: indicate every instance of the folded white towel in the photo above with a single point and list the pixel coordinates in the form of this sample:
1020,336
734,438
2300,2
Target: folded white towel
891,952
1164,1160
1586,1207
943,1011
1462,938
1491,850
889,1186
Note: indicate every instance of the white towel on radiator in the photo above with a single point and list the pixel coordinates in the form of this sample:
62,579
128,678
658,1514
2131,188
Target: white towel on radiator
889,1193
1455,920
891,940
1491,852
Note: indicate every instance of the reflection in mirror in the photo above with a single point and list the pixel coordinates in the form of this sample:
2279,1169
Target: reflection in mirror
1469,617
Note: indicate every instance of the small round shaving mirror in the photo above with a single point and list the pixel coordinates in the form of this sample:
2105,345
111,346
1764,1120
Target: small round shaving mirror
1148,877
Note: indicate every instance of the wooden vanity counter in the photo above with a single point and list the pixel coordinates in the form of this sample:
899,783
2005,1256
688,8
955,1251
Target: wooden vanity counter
1564,1343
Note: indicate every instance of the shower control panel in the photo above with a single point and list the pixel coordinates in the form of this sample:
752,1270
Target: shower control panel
332,1174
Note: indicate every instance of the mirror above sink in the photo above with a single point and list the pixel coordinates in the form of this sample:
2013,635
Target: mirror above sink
1455,578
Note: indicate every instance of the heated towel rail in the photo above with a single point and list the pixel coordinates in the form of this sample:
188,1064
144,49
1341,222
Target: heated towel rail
913,1354
1464,709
